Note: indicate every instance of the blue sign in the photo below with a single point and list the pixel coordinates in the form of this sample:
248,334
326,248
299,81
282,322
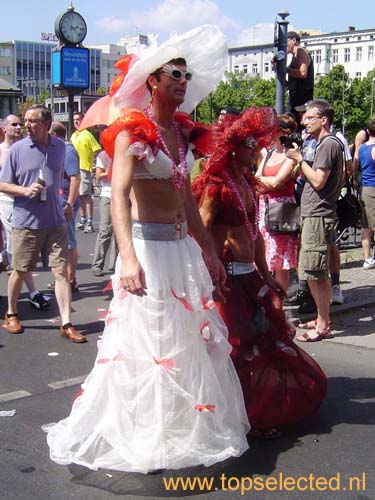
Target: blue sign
71,68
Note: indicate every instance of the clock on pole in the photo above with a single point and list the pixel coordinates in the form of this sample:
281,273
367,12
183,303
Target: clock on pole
70,60
70,27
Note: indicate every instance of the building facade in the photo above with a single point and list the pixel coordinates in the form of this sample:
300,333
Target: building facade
28,65
354,49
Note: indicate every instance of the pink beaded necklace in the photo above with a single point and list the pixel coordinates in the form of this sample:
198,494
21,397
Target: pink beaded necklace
179,171
253,234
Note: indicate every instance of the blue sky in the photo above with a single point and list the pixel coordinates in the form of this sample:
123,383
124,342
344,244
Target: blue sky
243,21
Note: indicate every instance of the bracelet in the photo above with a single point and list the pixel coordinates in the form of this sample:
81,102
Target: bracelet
67,204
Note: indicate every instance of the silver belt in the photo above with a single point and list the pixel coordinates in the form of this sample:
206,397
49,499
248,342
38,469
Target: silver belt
159,232
234,268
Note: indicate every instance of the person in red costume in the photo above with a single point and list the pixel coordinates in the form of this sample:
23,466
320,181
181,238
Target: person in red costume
163,393
281,383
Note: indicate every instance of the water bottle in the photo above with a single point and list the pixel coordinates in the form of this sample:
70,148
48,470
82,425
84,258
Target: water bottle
42,182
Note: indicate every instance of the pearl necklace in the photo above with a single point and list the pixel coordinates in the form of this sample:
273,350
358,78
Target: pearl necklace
253,234
179,171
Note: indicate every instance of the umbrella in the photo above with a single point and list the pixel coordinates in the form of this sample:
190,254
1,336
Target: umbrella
101,112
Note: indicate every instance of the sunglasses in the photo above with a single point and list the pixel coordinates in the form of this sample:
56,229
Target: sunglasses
176,74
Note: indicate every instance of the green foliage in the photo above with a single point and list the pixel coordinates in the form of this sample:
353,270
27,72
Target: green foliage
238,90
23,106
351,98
101,91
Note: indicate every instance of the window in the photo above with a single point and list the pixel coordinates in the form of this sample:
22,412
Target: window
358,74
371,53
318,56
4,70
236,68
4,52
266,67
255,68
358,54
244,69
335,56
346,55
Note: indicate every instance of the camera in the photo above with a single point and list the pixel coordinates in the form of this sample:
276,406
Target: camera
288,140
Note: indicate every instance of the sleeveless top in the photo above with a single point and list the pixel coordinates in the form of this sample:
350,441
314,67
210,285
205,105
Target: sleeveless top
367,165
287,190
307,83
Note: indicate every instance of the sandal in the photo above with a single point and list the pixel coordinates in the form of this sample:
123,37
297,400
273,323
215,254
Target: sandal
310,325
315,335
271,433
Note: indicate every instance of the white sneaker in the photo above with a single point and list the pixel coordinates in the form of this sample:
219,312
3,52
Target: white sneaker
336,295
369,263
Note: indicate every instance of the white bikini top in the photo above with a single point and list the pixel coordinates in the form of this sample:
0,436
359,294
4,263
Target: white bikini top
149,166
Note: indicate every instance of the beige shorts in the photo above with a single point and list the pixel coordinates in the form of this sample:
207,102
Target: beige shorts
85,186
317,235
50,243
368,206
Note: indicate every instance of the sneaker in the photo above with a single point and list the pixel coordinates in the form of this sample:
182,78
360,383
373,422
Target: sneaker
298,298
39,302
97,272
88,228
307,307
336,295
369,263
80,226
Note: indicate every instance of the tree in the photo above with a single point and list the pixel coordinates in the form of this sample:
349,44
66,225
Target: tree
23,106
239,90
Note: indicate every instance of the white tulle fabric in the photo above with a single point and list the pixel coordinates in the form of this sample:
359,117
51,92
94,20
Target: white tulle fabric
163,392
205,51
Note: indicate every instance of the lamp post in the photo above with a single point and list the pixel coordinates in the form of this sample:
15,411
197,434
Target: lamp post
280,57
324,73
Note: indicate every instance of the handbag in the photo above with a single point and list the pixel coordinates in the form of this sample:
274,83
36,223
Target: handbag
282,217
349,209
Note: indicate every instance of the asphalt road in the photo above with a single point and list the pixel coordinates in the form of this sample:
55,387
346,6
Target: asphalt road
336,444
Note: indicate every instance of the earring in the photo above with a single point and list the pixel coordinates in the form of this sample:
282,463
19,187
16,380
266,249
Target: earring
233,154
153,92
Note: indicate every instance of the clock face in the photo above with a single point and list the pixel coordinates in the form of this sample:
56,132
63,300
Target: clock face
73,27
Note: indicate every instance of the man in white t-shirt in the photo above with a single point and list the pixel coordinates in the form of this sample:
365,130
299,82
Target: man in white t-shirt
105,235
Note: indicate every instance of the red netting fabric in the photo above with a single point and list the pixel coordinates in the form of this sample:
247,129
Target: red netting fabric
282,384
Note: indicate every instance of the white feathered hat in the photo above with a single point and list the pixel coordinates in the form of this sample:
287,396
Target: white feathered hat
205,51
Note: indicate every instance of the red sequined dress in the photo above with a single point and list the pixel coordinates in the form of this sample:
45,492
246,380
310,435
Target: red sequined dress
281,383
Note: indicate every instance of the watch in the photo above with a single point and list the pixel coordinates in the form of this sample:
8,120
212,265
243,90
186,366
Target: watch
70,27
67,204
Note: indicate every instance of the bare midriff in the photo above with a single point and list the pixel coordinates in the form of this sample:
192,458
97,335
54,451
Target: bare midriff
156,201
236,240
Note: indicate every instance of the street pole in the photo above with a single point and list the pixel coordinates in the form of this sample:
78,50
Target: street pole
280,57
372,95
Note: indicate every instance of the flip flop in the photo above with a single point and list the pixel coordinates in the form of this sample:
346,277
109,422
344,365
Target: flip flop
310,325
309,336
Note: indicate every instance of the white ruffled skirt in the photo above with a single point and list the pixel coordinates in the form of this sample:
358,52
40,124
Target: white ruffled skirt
163,392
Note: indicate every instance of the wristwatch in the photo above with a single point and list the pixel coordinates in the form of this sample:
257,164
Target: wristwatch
67,204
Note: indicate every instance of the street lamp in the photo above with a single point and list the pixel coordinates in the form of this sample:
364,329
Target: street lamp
324,73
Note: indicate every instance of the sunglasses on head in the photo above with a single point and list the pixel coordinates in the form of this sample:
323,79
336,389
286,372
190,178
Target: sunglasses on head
176,74
250,142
